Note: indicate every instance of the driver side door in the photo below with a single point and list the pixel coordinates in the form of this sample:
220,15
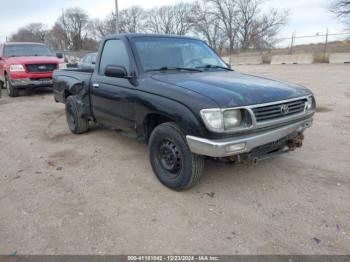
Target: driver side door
111,97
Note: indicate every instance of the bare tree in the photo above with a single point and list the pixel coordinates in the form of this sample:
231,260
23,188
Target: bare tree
132,19
101,28
205,24
74,21
35,32
56,38
342,9
181,14
226,12
159,20
256,30
169,19
265,29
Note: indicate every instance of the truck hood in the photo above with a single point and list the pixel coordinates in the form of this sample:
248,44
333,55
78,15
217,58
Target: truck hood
33,60
231,89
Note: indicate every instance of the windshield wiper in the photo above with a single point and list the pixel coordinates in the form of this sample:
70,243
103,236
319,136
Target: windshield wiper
165,68
215,66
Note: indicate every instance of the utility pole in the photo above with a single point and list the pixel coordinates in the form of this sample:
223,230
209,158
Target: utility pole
116,16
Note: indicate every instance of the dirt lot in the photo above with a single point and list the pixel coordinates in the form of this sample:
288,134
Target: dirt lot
96,193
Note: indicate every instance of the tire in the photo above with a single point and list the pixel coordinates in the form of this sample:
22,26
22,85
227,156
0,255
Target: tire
172,161
12,91
76,124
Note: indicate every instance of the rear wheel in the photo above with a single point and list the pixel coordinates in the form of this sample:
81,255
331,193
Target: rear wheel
172,161
76,124
11,90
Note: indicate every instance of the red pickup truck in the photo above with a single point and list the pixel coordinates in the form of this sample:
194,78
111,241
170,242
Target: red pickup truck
27,65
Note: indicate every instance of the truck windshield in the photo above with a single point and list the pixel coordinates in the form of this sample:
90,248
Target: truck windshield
158,53
26,50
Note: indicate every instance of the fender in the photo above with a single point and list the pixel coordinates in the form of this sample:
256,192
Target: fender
150,105
68,85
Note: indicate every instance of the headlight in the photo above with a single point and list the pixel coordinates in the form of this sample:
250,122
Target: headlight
309,105
219,120
213,119
17,68
232,119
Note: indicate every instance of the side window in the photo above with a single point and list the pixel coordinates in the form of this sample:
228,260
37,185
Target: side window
114,53
88,59
83,60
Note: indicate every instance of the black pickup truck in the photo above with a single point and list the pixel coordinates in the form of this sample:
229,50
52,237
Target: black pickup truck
177,95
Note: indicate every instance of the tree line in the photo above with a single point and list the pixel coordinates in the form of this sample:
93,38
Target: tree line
223,24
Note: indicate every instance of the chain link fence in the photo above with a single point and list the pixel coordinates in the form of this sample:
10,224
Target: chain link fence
319,46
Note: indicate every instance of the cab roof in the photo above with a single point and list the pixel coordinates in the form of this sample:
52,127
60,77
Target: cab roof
23,43
131,35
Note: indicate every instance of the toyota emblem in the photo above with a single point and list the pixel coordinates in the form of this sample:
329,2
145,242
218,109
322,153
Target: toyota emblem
284,109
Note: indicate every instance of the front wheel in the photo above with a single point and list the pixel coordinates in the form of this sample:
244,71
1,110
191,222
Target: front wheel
172,161
76,123
11,90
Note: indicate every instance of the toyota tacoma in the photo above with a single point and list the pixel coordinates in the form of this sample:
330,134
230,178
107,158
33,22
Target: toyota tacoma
176,94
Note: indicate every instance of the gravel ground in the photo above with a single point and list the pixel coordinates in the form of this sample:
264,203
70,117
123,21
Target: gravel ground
96,193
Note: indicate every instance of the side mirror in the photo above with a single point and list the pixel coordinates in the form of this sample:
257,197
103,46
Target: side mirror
93,62
116,71
59,55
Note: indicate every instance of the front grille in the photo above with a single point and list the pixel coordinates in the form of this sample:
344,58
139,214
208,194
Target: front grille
275,111
40,68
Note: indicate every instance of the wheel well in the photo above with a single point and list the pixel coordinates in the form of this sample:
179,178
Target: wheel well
66,94
3,82
5,74
152,121
74,90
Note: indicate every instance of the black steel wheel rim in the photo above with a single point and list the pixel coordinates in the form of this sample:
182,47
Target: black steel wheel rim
170,158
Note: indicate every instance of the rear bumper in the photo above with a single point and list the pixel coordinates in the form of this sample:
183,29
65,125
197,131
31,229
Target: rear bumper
243,144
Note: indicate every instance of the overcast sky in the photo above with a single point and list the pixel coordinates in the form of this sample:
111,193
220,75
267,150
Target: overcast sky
307,16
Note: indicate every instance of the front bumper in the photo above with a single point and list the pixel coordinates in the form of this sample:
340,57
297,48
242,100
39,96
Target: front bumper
28,82
243,144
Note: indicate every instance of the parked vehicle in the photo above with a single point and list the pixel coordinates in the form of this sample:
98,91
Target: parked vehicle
88,61
176,94
26,65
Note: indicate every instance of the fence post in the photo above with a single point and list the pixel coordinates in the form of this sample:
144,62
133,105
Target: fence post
292,43
325,47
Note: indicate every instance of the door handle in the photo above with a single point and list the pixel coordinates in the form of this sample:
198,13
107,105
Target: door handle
96,85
